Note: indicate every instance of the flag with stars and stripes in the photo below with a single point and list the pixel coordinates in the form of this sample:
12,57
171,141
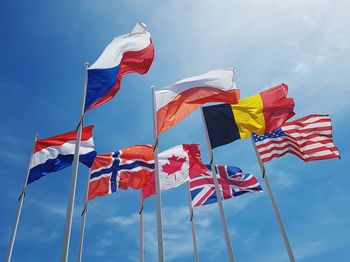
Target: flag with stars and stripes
309,138
129,167
232,183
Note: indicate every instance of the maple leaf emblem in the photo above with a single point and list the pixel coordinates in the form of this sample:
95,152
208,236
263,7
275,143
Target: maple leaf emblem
174,165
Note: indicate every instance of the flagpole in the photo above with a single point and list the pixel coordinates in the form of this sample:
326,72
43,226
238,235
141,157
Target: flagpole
218,193
70,206
20,204
274,204
83,218
141,227
158,193
194,239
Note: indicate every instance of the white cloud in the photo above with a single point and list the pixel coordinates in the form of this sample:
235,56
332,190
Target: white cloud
46,207
124,221
307,63
36,234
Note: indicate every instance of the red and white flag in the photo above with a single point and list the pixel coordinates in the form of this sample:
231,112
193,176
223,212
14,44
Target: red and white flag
309,138
176,165
175,102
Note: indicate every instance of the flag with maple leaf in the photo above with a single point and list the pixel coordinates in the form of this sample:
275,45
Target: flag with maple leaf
176,166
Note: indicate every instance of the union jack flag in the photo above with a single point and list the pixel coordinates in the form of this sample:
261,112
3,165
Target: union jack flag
232,183
129,167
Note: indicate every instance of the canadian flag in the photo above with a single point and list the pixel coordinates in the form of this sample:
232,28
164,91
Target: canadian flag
176,166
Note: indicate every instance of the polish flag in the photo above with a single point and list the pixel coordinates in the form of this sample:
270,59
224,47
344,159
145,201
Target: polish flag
175,102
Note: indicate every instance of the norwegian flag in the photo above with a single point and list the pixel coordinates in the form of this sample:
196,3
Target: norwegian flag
129,167
232,183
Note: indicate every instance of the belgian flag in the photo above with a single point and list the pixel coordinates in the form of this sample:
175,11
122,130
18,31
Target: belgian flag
260,113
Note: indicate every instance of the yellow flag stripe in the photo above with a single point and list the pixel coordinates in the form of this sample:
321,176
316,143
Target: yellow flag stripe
249,117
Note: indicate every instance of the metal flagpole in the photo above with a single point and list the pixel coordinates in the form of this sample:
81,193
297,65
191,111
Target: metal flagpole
70,206
218,193
194,239
83,218
141,226
156,169
274,205
20,204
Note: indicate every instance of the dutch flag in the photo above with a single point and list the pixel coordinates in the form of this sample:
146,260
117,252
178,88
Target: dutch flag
55,153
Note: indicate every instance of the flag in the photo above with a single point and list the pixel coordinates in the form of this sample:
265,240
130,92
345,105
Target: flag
175,102
232,183
260,113
309,138
129,53
55,153
176,165
129,167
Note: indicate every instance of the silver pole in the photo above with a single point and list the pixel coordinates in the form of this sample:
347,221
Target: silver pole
274,204
83,218
70,206
158,193
194,239
218,193
141,227
20,204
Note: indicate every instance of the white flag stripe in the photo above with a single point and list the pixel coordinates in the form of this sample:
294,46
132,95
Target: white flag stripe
315,119
101,168
298,153
47,153
311,133
220,79
309,126
137,40
134,160
99,177
202,193
136,169
277,142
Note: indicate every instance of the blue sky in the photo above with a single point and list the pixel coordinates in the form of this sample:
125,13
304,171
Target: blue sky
44,44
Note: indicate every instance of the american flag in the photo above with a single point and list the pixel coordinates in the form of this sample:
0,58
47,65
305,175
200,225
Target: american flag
232,183
129,167
309,138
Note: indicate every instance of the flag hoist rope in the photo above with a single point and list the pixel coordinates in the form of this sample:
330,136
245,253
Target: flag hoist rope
20,204
70,206
218,193
194,239
156,173
83,218
274,204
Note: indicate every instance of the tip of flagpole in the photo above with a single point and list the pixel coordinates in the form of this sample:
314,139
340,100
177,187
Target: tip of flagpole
36,135
86,63
152,86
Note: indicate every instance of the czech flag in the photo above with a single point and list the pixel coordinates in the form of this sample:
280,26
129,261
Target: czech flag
129,53
55,153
